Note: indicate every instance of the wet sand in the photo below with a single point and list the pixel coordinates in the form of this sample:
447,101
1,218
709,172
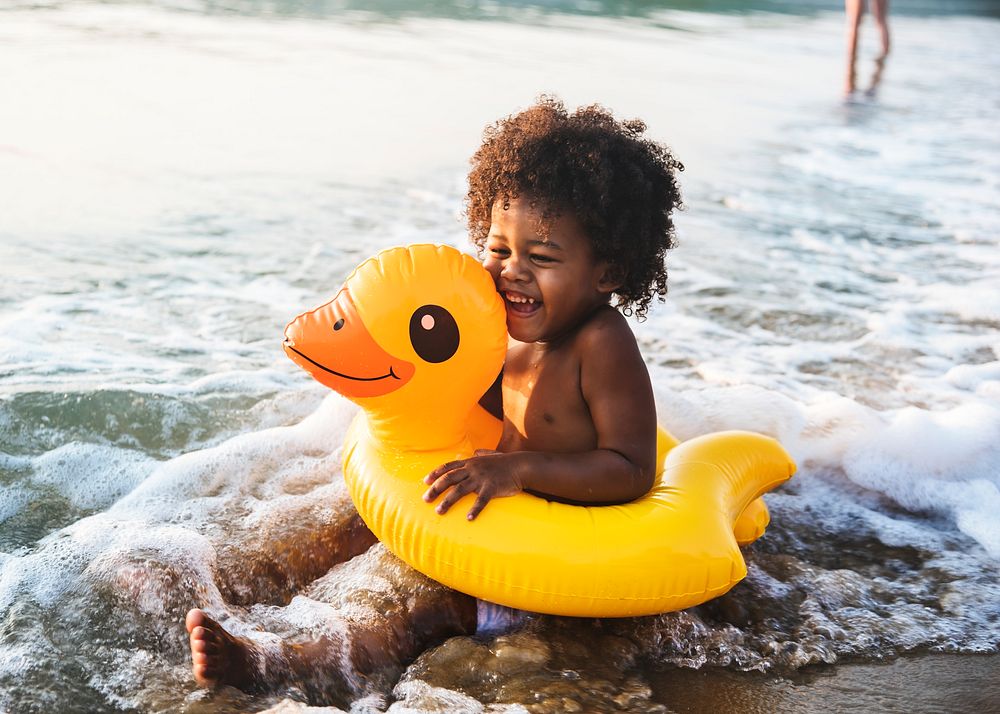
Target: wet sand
924,684
916,684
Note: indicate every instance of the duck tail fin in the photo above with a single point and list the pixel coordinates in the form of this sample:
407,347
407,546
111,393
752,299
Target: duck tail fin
752,522
749,465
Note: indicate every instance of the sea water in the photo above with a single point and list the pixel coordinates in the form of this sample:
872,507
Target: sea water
179,179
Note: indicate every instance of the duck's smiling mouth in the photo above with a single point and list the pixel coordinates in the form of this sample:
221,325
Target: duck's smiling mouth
310,360
334,334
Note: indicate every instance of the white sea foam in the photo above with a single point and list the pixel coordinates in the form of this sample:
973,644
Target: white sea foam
249,463
972,300
13,499
188,490
942,462
89,475
945,462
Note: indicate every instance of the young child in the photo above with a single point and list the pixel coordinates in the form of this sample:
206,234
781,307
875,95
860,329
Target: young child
571,211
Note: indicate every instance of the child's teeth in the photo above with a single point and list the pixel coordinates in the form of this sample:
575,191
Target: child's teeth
520,299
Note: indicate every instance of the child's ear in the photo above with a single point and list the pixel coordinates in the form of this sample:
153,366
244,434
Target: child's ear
611,277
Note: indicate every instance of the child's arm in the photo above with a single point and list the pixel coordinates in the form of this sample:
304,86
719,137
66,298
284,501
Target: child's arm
616,387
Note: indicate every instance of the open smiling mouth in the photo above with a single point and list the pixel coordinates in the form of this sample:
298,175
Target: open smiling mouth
340,374
521,305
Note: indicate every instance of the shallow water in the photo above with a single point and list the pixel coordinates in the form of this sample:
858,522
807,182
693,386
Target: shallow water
181,178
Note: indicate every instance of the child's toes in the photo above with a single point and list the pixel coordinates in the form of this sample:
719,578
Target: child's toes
195,618
204,673
202,646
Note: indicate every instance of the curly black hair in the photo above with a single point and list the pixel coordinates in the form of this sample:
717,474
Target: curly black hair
621,186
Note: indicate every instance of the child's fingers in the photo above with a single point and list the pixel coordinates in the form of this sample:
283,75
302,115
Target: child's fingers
442,483
452,497
442,470
481,500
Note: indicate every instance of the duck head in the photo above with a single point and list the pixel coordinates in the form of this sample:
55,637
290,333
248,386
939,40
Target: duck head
415,337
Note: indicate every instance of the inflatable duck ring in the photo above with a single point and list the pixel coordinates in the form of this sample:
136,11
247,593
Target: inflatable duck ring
415,337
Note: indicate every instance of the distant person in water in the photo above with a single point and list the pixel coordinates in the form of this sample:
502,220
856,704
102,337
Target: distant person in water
855,10
569,212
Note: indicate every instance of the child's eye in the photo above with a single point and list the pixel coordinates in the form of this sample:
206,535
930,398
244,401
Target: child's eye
499,252
539,258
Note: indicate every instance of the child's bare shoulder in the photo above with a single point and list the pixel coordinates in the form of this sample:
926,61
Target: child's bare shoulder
606,331
614,380
609,357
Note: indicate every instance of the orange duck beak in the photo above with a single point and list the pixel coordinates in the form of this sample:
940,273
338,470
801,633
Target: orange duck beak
333,345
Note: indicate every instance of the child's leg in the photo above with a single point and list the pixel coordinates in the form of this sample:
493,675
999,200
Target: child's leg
264,662
854,10
355,629
278,555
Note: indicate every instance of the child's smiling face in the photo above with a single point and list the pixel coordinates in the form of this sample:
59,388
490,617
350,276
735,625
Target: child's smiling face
550,284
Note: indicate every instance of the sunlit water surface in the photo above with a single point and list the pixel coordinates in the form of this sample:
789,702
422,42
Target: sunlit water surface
180,179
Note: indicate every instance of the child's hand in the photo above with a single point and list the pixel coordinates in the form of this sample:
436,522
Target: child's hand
489,474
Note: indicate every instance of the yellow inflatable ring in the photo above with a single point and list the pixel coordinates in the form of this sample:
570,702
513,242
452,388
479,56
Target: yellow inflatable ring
415,337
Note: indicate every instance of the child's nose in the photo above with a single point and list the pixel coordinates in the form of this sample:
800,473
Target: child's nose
513,269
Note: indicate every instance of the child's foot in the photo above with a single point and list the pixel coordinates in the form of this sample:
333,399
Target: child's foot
218,657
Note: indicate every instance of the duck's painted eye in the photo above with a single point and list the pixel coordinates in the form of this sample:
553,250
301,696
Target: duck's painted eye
338,324
433,333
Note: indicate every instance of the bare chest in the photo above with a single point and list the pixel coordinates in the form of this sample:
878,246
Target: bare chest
544,408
